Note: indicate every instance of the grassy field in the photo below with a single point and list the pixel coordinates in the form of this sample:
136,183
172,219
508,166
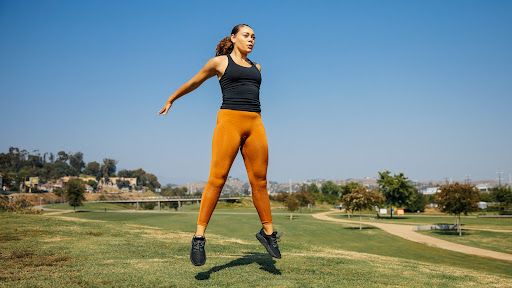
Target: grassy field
152,249
412,219
497,241
245,206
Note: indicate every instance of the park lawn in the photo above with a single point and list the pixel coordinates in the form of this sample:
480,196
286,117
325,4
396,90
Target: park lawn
412,219
188,207
496,241
91,206
152,249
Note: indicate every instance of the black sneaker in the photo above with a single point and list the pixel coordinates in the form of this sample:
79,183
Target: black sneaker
269,242
197,253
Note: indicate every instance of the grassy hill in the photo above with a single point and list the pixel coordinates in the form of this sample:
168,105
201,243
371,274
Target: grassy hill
152,250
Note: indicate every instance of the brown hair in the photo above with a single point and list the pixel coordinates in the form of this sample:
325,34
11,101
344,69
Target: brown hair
225,46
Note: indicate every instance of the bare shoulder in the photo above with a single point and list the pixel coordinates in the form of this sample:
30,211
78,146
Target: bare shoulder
220,63
217,61
258,65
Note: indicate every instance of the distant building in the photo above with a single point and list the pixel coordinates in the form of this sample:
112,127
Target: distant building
429,190
112,182
483,187
30,184
482,205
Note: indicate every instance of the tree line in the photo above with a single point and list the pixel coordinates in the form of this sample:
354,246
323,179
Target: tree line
395,191
18,164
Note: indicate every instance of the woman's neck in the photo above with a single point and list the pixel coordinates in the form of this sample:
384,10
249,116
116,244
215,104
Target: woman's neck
240,55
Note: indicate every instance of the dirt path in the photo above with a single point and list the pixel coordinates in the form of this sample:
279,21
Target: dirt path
407,232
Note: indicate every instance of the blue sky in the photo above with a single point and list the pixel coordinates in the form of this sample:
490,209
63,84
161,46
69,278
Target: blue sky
349,88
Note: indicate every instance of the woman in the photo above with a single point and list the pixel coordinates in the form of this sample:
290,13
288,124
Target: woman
239,126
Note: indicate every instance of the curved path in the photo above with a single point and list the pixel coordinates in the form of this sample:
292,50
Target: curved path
407,232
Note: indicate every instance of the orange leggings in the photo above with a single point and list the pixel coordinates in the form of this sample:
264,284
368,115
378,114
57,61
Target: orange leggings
244,130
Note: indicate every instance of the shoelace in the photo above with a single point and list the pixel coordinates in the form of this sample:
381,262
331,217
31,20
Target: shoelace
198,245
274,240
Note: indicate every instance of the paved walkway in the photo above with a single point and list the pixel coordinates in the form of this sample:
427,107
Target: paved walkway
407,232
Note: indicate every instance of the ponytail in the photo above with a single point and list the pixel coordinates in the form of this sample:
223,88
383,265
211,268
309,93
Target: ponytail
225,46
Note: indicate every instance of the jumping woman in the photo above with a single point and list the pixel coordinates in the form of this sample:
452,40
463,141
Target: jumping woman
239,126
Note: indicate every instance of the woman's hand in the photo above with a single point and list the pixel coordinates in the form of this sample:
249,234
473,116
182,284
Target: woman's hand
166,107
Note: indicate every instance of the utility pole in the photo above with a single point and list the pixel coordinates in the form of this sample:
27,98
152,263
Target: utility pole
499,178
467,179
290,185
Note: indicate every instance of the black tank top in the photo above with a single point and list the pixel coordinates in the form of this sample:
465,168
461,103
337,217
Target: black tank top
240,87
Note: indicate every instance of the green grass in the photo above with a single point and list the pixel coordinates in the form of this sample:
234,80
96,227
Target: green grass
497,241
186,207
91,206
152,250
412,219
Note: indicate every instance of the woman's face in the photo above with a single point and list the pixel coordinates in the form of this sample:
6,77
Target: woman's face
244,39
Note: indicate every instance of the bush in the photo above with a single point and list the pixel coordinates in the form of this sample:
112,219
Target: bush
18,205
148,205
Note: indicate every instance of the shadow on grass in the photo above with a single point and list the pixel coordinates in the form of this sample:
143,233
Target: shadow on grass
357,228
394,218
263,259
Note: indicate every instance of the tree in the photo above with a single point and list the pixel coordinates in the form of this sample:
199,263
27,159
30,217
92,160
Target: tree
360,199
108,168
62,156
292,204
75,192
418,202
305,198
93,169
143,178
486,196
330,192
502,195
169,190
76,161
457,198
349,187
397,189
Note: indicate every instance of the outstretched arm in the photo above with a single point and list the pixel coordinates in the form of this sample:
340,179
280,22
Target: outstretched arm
208,70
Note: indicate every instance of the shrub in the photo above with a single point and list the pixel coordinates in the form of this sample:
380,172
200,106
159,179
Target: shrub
17,205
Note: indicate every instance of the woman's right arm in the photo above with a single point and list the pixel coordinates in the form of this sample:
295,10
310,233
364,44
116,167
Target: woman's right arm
208,70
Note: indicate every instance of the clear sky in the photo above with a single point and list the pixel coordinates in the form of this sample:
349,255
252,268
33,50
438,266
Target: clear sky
349,88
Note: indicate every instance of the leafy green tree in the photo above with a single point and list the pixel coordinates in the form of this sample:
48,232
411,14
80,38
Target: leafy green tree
313,188
93,169
457,198
76,161
62,156
418,202
360,199
75,192
60,169
486,196
330,192
502,195
397,189
169,190
143,178
108,168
